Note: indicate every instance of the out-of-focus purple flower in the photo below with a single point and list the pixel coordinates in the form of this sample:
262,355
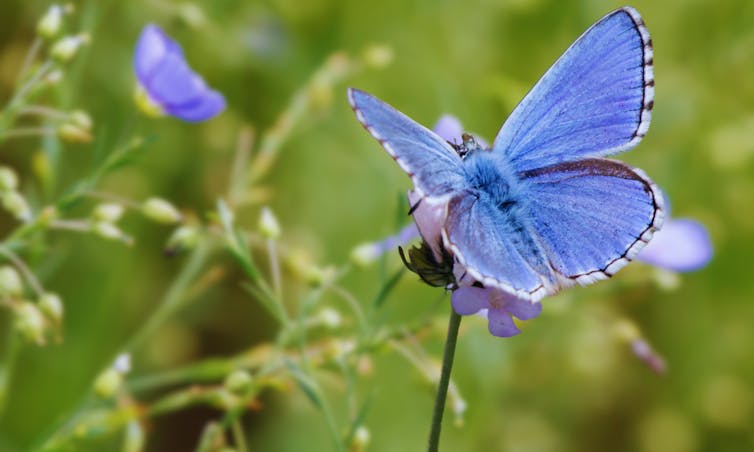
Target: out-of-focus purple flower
681,245
646,354
167,85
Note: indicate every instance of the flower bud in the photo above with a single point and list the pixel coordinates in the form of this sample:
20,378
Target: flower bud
109,231
108,212
81,119
183,238
51,306
108,383
192,15
71,133
8,179
16,204
329,318
161,211
49,25
30,322
11,285
319,276
53,77
378,56
238,382
365,254
268,224
66,47
122,363
361,439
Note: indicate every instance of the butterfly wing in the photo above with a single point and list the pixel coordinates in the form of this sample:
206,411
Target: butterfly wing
596,99
433,165
592,216
495,248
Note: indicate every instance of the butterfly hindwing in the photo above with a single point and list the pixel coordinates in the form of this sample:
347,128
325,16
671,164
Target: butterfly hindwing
596,99
592,216
495,248
433,165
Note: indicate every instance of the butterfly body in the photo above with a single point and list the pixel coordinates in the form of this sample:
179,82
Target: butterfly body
542,208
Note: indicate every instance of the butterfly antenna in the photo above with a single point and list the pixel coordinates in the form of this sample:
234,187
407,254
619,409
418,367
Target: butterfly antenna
414,207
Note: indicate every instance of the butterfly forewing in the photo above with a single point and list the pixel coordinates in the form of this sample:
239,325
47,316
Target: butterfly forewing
596,99
430,161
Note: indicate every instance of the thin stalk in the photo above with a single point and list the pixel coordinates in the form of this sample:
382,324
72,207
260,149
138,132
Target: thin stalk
238,436
171,302
442,390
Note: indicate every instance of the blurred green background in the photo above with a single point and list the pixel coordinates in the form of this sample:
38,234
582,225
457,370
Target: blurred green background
565,384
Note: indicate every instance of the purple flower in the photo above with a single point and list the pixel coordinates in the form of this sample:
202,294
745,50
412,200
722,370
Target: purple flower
681,245
500,308
167,85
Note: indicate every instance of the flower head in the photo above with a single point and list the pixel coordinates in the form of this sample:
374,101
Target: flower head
681,245
167,85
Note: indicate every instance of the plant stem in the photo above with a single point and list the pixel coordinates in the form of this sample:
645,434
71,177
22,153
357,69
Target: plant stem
442,390
171,302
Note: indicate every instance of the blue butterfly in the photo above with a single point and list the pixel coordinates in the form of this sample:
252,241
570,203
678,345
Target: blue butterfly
542,209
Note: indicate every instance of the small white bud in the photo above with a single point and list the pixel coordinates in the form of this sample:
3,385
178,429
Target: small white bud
122,363
183,238
378,56
30,322
66,47
238,382
108,383
365,254
161,211
109,231
16,204
81,119
192,14
11,285
108,212
54,77
71,133
361,439
330,318
8,179
49,25
51,306
268,224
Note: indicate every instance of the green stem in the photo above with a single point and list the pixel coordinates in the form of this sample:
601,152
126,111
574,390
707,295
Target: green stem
174,296
6,367
442,389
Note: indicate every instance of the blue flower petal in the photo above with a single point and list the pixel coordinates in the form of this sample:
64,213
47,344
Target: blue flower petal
682,245
500,323
469,300
152,47
449,128
211,104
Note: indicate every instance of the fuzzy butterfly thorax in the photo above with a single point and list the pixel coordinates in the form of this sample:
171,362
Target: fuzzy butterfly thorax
490,179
